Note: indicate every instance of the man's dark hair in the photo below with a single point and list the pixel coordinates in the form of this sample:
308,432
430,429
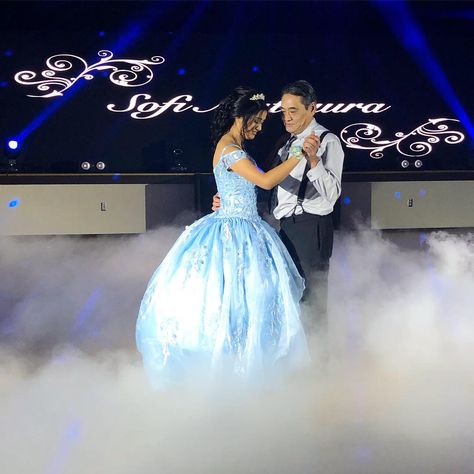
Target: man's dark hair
302,89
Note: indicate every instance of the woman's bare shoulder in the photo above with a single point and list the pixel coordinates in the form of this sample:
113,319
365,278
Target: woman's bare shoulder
224,144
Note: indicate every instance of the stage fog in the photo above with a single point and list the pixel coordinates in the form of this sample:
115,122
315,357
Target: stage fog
395,397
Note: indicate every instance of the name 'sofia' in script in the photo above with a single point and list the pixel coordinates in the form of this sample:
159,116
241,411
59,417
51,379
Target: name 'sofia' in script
142,107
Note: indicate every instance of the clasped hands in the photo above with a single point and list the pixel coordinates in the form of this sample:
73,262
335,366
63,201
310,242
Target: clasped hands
310,148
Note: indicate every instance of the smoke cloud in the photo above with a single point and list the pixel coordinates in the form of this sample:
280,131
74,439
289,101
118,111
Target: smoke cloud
396,395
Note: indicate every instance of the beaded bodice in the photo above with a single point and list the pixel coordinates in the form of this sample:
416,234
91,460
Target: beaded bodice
238,196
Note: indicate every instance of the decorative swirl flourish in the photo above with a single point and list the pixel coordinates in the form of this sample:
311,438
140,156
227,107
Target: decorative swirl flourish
418,142
124,72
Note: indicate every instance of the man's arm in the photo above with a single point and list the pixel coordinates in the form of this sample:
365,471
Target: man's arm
326,174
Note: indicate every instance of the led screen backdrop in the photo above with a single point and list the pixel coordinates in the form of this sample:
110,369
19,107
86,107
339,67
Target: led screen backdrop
133,84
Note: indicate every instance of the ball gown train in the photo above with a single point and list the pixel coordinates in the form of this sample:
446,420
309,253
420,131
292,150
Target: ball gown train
226,296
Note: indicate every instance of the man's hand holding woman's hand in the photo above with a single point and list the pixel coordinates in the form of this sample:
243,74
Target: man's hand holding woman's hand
216,202
310,148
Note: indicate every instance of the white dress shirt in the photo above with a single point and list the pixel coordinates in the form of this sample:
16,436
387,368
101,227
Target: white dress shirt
324,186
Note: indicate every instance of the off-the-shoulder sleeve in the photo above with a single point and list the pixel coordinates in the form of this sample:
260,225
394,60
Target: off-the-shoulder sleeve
230,158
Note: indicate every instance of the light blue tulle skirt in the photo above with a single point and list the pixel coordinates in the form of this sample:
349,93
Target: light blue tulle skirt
224,300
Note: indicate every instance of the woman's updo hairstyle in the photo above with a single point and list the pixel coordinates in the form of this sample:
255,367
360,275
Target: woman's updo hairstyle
241,102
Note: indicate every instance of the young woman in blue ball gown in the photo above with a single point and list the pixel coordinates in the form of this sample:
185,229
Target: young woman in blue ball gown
226,297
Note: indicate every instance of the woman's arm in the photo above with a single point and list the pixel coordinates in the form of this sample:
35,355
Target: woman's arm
268,180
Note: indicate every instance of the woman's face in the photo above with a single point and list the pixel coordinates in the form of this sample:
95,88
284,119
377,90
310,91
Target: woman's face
255,124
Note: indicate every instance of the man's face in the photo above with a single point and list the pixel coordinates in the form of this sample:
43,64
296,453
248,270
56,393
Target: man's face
296,117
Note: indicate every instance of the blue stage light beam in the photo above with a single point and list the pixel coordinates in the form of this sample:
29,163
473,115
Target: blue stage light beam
400,19
170,51
87,309
226,49
185,30
70,436
131,33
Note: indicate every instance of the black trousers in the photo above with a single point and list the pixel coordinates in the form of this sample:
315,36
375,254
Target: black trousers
309,240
